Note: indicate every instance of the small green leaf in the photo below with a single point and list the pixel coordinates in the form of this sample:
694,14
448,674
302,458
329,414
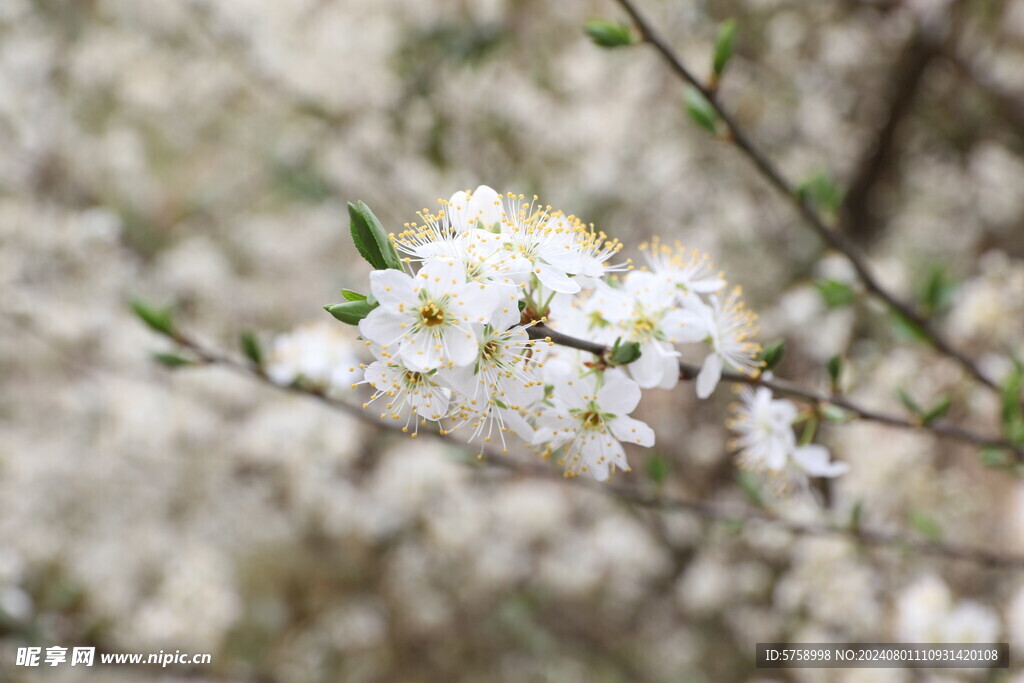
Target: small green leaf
996,457
835,370
810,429
909,402
925,525
1011,395
352,296
172,360
700,110
836,294
833,413
250,344
351,312
819,190
938,410
724,45
751,487
657,468
608,33
370,239
907,329
624,353
773,354
158,319
857,514
937,291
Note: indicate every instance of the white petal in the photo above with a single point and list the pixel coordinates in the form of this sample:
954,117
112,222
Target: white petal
382,326
619,395
632,431
460,344
392,288
648,369
485,206
814,459
709,375
441,276
421,353
688,326
476,302
669,372
556,280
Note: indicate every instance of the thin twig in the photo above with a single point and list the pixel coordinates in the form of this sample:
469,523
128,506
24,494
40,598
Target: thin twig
689,371
654,501
832,237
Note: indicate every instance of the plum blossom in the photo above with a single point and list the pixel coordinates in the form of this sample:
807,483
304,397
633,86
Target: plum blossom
588,417
432,317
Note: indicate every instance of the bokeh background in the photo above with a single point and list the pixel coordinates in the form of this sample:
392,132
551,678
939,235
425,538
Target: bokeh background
199,153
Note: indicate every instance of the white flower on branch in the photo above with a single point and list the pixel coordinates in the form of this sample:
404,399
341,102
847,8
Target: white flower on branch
589,416
432,318
727,326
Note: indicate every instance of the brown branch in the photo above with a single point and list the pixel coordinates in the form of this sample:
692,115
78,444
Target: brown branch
689,371
832,237
634,495
861,219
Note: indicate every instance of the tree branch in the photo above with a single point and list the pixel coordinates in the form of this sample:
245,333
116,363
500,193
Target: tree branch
688,371
634,495
831,236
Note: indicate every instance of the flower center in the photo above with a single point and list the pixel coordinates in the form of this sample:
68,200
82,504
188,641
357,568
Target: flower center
491,349
592,419
432,315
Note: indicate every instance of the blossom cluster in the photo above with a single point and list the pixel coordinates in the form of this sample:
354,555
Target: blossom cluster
451,334
766,442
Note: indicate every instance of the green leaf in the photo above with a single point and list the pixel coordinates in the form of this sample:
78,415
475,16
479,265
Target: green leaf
352,296
835,369
819,190
250,344
172,360
608,33
925,525
773,354
938,410
723,45
657,468
700,110
996,457
624,353
857,514
158,319
1011,395
909,402
833,413
370,239
351,312
836,294
810,429
751,487
905,328
937,291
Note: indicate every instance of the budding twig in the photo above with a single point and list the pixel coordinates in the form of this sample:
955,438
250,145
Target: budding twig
831,236
636,496
689,371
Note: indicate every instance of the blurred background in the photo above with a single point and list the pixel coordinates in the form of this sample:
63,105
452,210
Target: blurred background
200,153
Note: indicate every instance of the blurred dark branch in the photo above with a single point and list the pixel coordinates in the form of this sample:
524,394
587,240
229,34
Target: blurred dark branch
1009,105
688,371
860,218
632,493
814,220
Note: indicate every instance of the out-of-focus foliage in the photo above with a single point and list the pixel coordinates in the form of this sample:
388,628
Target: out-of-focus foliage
200,154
